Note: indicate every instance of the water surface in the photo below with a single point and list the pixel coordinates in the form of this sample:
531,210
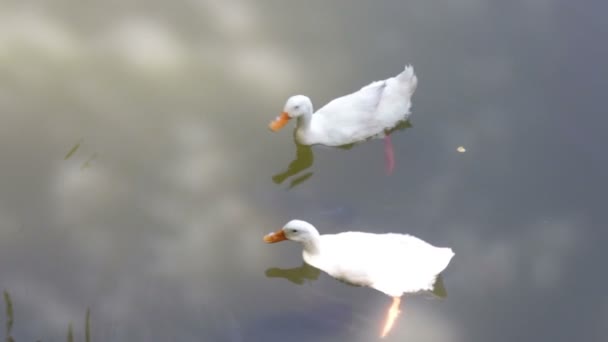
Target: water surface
139,176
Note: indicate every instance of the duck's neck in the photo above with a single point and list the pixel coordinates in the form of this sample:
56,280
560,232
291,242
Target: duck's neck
312,246
305,133
304,121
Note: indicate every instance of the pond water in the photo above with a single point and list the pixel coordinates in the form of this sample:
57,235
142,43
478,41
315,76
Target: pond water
139,175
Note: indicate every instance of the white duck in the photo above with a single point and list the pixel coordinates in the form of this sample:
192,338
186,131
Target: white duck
390,263
369,112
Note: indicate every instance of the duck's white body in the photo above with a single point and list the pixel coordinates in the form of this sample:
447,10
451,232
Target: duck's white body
358,116
391,263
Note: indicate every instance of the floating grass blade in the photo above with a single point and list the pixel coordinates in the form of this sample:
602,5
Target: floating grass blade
9,316
88,162
73,150
70,333
87,326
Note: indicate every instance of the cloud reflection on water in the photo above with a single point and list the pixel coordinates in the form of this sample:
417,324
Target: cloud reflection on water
161,235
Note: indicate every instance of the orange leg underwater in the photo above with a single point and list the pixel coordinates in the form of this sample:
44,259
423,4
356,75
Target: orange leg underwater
391,316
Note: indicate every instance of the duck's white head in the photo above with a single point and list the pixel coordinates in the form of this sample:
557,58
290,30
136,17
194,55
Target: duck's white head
295,106
294,230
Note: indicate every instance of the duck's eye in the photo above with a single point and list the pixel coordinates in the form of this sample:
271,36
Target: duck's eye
296,107
294,231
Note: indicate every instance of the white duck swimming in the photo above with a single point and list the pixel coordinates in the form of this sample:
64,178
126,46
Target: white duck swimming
390,263
369,112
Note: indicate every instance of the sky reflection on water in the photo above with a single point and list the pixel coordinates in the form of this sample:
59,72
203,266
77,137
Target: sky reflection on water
154,222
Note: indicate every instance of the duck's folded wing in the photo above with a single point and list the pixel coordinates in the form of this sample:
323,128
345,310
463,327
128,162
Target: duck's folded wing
374,255
359,105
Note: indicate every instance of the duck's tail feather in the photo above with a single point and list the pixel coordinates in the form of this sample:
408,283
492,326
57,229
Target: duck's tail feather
408,78
444,256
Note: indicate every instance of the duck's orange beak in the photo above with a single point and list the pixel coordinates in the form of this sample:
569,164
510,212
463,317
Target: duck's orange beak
280,122
277,236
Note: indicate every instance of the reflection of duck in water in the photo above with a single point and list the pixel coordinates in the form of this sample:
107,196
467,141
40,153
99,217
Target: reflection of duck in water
367,113
394,264
296,275
305,158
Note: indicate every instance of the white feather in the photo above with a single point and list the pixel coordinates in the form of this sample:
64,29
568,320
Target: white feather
355,117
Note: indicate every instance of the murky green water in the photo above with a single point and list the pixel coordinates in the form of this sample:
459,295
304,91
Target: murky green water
138,175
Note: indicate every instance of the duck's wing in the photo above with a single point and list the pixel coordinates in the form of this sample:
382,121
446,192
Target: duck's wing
350,118
369,259
355,106
377,96
367,112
